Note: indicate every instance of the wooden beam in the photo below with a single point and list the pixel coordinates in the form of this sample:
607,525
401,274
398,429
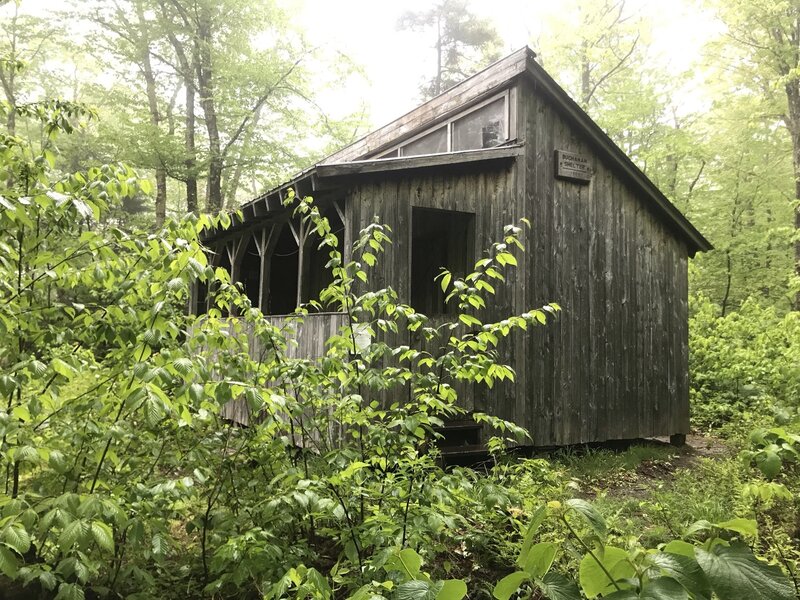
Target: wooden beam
236,249
339,210
265,245
296,232
427,161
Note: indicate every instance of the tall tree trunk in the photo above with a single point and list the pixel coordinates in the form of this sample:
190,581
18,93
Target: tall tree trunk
7,80
586,75
155,115
793,124
11,120
191,152
205,86
8,77
232,185
188,71
438,85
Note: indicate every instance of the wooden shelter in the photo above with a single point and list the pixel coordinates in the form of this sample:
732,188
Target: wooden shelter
606,244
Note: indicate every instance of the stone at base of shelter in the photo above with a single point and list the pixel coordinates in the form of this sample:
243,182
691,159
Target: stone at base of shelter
678,439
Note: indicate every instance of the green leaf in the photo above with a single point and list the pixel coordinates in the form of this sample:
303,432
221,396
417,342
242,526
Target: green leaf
539,559
22,413
594,580
509,584
663,588
183,365
103,535
746,527
698,526
595,519
735,573
622,595
407,561
48,580
680,547
72,534
69,591
417,589
62,368
8,562
683,569
196,392
350,471
559,587
445,280
769,463
82,208
15,536
527,541
452,589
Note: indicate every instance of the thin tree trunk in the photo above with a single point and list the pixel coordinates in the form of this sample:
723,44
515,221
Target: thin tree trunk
188,71
793,124
205,82
233,183
191,151
586,76
438,86
728,280
8,77
155,115
11,121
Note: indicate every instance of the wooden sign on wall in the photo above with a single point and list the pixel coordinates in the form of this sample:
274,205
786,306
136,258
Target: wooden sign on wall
573,167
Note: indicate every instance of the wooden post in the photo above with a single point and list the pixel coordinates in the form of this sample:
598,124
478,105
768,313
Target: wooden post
299,234
264,239
194,294
235,249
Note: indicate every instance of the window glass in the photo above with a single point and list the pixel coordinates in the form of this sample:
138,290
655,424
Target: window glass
433,143
482,128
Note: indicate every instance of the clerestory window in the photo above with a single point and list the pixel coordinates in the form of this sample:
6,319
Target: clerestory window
485,125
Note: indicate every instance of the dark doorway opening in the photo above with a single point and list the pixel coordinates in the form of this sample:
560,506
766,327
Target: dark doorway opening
318,276
201,298
439,238
250,272
283,274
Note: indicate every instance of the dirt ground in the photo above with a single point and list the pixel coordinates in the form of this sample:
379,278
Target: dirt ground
639,482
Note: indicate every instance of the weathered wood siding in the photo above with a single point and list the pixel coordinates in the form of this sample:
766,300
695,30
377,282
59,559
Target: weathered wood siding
491,193
306,340
614,366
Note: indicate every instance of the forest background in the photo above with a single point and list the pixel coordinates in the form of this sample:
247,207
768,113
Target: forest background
130,126
688,91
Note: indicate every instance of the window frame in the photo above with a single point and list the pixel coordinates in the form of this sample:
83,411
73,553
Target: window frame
505,95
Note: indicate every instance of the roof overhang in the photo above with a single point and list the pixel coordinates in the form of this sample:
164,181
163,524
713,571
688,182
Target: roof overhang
327,178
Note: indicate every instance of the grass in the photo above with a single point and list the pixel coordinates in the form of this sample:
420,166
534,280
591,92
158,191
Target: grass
650,492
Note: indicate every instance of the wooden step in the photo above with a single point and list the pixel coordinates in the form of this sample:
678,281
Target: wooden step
465,450
459,432
469,455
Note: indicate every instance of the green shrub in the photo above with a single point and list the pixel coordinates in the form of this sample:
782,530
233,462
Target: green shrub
745,366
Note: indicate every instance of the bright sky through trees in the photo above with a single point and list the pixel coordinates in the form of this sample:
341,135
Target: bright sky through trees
394,62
